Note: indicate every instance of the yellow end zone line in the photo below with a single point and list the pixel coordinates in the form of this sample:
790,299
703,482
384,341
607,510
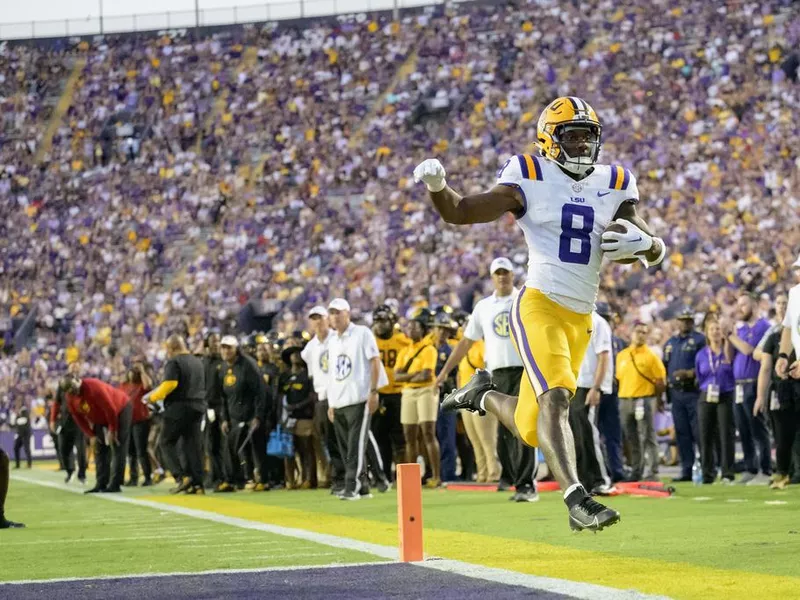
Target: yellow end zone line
677,580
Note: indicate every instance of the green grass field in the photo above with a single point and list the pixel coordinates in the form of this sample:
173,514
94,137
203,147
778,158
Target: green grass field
709,542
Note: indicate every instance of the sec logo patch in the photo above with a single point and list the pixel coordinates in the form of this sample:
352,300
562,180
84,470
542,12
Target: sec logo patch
501,327
344,366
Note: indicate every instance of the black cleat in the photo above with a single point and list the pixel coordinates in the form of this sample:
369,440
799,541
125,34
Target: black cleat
468,397
383,485
94,490
590,514
6,524
112,490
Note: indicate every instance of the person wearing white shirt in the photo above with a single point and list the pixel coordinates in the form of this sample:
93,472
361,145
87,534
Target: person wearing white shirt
790,337
315,355
490,321
355,375
595,379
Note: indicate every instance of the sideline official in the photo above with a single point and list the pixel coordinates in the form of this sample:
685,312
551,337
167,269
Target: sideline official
183,393
245,416
680,352
352,393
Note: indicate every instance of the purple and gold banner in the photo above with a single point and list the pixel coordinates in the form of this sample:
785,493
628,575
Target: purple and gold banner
42,445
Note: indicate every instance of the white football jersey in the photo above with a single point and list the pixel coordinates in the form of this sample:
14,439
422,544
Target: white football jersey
563,221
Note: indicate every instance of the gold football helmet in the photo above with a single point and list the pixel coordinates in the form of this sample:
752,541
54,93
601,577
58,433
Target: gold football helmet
569,133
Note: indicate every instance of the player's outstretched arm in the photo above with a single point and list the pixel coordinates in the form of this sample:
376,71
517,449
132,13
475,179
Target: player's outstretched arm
463,210
653,254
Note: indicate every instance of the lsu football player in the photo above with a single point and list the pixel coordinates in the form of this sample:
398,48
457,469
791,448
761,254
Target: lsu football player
563,201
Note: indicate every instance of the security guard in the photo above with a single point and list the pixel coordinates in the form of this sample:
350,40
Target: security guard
679,360
245,418
386,424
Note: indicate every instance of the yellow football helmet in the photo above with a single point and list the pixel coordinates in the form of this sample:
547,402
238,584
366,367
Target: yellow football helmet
569,133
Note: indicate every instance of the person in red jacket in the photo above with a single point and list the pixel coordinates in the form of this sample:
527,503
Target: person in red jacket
105,413
137,384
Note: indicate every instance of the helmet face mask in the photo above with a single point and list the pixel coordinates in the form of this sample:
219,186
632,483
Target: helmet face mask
569,134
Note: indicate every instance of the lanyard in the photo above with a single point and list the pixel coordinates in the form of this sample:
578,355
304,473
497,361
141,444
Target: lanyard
711,361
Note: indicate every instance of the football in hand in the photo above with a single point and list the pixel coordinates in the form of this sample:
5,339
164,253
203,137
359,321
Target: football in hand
619,228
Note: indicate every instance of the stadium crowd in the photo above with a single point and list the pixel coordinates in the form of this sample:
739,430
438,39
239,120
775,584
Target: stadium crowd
188,178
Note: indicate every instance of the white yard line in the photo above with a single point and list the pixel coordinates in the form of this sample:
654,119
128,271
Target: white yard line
574,589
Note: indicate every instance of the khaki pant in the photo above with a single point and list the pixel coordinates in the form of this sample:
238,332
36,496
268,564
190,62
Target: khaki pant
482,433
419,405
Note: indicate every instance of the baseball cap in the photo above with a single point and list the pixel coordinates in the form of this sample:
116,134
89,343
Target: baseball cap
318,310
229,340
501,263
686,315
339,304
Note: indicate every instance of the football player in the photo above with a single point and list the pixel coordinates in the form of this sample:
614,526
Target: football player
563,201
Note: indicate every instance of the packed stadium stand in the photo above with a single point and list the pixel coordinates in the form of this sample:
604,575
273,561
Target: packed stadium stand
155,182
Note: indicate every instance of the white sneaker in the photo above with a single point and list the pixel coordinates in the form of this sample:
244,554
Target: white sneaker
747,477
759,480
70,478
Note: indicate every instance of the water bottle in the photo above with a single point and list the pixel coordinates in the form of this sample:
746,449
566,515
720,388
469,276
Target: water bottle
697,473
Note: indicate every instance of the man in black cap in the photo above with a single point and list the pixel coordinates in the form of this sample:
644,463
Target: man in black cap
679,360
246,419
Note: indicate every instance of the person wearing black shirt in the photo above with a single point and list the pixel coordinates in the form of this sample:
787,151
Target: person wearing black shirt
69,437
213,363
270,373
22,439
245,415
298,392
183,392
782,398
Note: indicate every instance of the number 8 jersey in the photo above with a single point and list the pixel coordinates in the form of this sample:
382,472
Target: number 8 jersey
563,221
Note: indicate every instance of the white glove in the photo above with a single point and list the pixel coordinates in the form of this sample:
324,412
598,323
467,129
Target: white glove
431,173
619,246
212,416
